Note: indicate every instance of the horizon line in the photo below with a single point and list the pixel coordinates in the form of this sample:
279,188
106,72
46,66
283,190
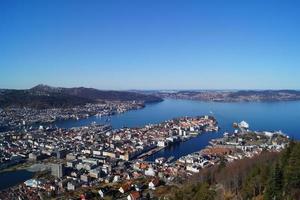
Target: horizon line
165,89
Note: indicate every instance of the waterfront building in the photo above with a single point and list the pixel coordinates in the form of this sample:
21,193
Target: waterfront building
34,156
161,143
57,170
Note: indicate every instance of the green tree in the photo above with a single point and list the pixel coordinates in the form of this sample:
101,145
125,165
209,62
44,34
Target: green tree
204,193
199,191
222,164
275,186
292,172
255,182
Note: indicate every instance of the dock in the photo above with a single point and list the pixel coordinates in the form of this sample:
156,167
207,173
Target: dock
149,153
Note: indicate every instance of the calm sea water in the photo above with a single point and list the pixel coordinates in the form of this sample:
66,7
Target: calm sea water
9,179
284,116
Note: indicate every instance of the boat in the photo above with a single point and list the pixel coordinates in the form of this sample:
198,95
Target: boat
160,160
170,159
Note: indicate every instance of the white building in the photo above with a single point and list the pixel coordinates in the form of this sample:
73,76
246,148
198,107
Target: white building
161,143
244,125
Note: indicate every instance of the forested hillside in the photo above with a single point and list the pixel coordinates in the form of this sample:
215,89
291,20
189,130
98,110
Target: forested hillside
43,96
269,176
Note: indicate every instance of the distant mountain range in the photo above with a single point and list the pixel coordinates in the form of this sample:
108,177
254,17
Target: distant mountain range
44,96
232,96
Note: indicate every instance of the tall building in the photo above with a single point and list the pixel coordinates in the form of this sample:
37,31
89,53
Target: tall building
57,170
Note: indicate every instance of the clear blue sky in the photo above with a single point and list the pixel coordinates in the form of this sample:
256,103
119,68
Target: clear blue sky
150,44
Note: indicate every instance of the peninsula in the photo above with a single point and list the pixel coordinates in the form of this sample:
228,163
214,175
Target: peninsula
21,109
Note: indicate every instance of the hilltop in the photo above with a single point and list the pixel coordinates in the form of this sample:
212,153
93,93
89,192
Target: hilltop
44,96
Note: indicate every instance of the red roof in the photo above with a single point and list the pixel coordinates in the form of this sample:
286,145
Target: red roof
126,187
135,195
